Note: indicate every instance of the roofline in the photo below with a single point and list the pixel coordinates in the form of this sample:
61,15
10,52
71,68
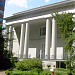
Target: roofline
41,7
34,18
46,6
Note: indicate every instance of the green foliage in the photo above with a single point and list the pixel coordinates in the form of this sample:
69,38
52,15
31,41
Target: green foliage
6,57
8,72
0,27
61,71
29,64
27,73
58,71
45,72
6,60
66,25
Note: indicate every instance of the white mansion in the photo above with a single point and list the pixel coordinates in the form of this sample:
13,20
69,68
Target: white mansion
36,34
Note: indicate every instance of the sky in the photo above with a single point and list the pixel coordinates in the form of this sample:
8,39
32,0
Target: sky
15,6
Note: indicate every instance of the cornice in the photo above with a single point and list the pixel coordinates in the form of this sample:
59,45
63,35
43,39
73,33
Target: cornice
55,5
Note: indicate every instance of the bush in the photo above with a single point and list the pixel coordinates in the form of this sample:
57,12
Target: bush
61,71
6,60
27,73
21,73
45,73
35,72
29,64
8,72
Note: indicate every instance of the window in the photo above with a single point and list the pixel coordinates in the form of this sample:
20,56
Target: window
42,31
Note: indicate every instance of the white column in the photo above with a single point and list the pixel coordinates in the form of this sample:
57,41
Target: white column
26,40
48,39
54,33
10,43
22,40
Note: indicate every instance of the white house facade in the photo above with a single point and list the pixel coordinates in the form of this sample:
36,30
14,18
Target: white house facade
36,34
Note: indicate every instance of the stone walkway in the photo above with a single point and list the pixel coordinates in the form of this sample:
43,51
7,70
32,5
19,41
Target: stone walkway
2,73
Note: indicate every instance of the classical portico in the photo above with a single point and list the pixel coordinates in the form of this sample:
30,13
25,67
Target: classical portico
37,34
24,41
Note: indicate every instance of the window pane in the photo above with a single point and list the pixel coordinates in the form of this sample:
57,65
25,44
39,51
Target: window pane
42,31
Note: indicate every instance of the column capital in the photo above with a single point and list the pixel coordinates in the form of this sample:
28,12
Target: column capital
49,18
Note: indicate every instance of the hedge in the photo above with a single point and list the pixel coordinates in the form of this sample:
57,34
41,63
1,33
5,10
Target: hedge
26,73
61,71
29,64
34,72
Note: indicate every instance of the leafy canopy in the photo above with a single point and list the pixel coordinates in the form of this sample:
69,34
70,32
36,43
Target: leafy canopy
66,26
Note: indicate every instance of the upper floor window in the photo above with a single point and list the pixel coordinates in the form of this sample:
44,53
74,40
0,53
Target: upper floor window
42,31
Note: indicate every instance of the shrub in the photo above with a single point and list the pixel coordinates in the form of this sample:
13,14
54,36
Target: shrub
8,72
35,72
61,71
27,73
21,73
29,64
45,73
6,59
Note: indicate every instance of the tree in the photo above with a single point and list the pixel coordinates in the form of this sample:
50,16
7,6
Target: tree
6,57
66,25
